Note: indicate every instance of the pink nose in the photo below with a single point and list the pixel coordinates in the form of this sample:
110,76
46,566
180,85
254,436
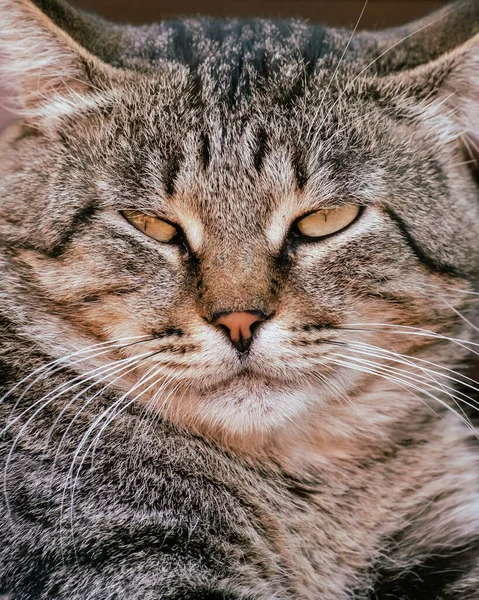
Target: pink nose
239,327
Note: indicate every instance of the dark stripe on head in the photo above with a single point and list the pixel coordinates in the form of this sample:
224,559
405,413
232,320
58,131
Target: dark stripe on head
195,91
205,154
299,168
81,218
289,96
182,48
260,62
172,166
203,594
261,149
439,267
315,47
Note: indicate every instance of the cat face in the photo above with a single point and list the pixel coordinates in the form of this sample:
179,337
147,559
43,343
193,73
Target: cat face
226,158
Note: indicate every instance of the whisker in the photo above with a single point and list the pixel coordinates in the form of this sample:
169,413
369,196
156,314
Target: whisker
404,359
353,81
334,388
408,330
144,412
69,475
158,414
446,388
68,387
114,415
460,315
43,402
156,370
60,361
394,379
378,371
323,95
402,386
472,150
147,409
69,382
451,287
89,401
451,392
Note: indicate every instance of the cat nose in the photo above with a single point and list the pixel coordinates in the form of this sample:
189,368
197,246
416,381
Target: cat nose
240,327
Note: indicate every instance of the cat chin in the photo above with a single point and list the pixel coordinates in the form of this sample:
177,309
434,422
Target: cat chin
245,407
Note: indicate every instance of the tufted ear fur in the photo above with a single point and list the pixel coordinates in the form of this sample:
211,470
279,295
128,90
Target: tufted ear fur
50,74
436,61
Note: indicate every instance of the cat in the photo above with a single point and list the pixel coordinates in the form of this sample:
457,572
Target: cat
240,264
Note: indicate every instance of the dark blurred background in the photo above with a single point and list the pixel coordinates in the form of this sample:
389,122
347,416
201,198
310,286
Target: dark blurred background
345,13
334,12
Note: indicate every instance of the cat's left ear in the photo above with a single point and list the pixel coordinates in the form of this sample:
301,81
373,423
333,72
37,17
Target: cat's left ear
50,73
436,62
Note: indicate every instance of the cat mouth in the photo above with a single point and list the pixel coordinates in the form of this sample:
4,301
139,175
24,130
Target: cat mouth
246,378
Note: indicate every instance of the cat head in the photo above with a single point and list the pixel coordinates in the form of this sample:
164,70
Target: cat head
241,212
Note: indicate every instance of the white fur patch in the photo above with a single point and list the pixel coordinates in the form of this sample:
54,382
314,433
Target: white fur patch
42,65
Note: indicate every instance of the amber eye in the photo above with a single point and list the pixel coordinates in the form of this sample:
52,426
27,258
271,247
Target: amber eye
151,226
326,222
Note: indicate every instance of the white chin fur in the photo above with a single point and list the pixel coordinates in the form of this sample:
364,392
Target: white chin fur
245,407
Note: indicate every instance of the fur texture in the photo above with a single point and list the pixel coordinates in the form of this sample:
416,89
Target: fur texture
144,457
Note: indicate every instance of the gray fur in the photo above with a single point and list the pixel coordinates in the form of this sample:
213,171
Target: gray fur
301,471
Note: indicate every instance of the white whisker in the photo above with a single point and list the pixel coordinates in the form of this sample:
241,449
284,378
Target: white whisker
460,315
450,287
43,402
146,377
323,95
68,387
451,392
367,67
89,401
404,359
64,359
345,362
409,330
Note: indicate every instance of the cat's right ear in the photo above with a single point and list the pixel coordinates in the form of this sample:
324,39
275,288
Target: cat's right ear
50,74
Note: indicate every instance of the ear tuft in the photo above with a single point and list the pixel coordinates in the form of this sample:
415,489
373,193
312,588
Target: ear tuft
47,71
452,81
435,62
463,85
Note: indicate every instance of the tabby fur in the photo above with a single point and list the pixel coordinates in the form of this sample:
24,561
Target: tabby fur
337,460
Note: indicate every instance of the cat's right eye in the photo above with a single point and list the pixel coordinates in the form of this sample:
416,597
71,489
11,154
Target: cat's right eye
159,230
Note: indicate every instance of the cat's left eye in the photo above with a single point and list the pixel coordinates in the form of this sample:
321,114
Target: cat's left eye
328,221
157,229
